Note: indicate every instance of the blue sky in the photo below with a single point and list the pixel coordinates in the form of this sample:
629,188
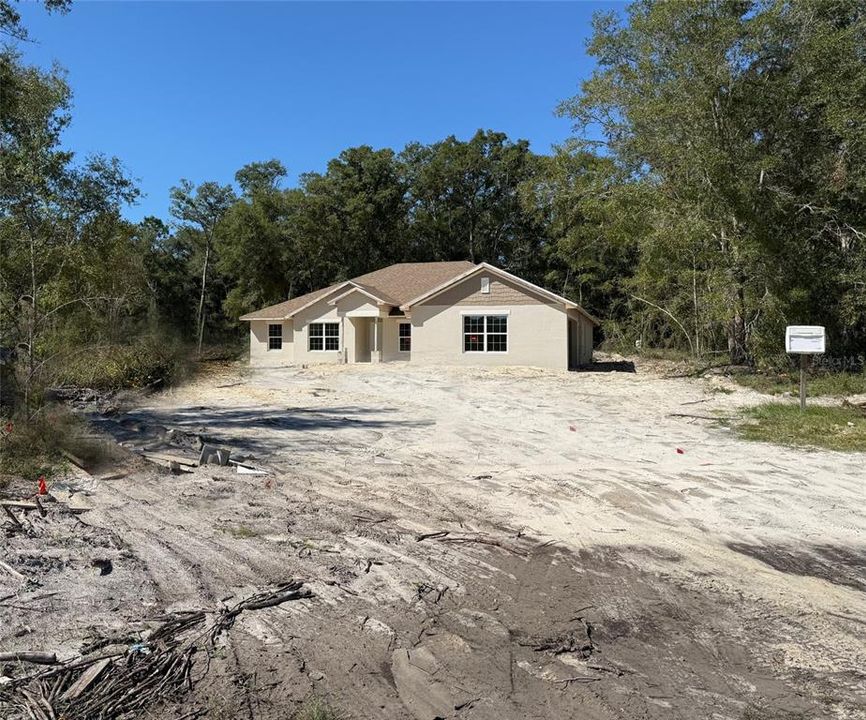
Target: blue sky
198,89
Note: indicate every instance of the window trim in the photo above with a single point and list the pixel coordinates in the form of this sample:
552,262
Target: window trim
484,333
275,337
323,336
400,337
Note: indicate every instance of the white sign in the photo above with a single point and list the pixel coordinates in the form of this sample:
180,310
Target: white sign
804,339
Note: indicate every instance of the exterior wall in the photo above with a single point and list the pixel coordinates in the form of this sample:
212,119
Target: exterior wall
259,353
391,340
502,293
357,303
582,337
319,311
537,330
537,336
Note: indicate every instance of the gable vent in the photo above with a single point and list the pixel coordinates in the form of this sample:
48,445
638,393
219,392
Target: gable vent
485,285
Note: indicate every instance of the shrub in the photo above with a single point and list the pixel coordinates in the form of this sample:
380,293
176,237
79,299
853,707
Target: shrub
31,449
148,361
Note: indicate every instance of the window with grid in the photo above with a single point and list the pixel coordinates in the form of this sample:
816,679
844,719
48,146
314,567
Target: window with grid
405,337
275,337
324,336
485,333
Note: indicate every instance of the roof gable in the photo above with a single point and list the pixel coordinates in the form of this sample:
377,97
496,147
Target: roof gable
484,267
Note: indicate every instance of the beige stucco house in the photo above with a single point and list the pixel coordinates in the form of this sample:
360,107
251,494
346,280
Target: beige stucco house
448,313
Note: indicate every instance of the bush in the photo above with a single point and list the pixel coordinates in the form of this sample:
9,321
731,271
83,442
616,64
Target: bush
35,448
146,362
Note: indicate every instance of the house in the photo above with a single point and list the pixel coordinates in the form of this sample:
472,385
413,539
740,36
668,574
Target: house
448,313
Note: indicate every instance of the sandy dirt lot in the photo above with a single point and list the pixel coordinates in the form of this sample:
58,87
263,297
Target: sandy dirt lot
579,565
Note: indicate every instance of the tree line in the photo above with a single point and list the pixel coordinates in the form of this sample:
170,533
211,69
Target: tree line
712,193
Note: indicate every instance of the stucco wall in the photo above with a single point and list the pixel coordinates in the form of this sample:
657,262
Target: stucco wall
537,336
259,353
319,311
391,340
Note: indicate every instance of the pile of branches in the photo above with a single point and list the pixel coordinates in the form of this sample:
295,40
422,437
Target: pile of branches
120,684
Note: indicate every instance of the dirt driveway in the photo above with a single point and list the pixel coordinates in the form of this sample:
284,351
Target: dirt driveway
571,561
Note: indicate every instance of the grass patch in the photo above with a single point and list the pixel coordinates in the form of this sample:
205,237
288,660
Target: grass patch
317,709
839,384
833,428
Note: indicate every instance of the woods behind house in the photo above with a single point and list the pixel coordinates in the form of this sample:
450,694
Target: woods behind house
713,192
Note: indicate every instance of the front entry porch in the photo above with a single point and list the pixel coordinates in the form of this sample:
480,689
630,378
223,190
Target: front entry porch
367,346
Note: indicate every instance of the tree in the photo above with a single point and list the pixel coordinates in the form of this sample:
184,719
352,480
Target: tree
738,118
353,217
465,202
10,18
199,211
260,176
48,206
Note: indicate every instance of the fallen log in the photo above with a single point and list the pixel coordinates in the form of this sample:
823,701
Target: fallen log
29,656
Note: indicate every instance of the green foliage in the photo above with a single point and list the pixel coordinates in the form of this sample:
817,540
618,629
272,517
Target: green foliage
739,120
145,362
833,428
841,384
10,18
34,448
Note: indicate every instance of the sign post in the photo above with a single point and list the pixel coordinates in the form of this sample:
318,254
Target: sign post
804,340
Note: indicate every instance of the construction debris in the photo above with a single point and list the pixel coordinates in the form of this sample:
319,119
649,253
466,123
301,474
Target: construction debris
141,676
213,454
29,656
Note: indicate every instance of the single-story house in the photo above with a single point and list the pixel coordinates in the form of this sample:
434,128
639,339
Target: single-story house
448,313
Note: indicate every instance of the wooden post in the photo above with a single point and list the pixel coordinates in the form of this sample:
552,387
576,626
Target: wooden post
802,382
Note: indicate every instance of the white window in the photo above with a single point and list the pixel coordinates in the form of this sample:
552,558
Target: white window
324,336
275,337
485,333
485,286
405,337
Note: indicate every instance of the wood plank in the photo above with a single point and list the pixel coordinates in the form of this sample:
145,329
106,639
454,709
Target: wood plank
169,457
87,678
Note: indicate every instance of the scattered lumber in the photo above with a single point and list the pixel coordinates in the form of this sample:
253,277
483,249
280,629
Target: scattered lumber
21,504
12,516
169,458
29,656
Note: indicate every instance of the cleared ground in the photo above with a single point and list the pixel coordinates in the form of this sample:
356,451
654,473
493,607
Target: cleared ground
590,569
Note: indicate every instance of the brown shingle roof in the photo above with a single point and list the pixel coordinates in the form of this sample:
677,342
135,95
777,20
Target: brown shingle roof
395,285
